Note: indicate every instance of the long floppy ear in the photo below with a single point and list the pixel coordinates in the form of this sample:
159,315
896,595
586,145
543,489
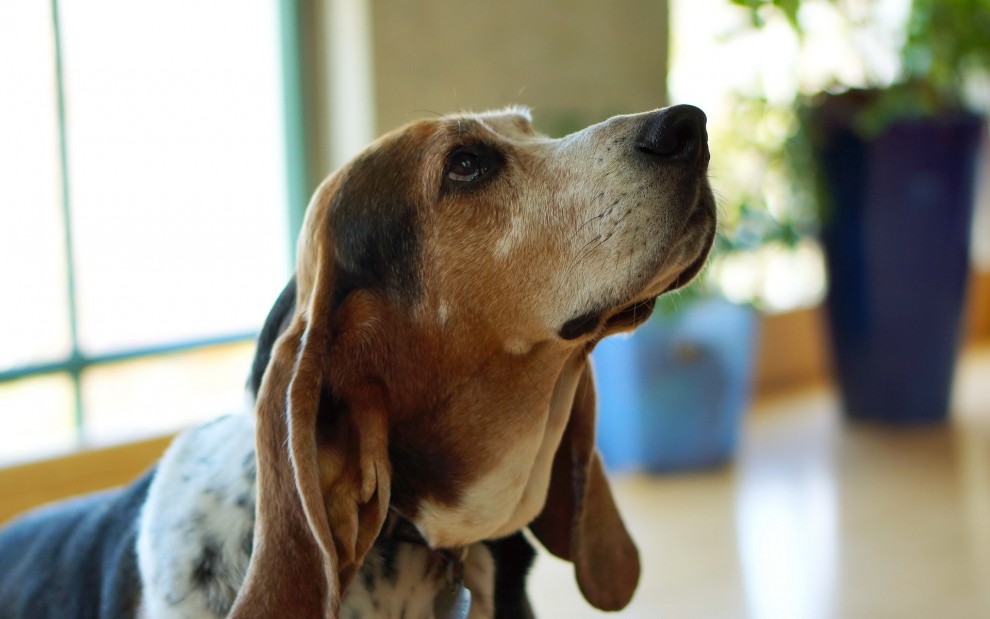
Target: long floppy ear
580,522
321,458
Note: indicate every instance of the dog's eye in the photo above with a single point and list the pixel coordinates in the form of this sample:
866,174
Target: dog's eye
465,167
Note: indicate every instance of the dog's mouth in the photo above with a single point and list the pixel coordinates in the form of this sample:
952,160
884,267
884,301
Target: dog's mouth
626,316
630,316
606,322
623,318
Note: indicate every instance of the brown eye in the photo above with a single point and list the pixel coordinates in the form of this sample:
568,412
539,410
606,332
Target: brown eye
464,167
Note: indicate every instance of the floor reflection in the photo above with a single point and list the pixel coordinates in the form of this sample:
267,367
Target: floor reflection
787,524
974,466
817,519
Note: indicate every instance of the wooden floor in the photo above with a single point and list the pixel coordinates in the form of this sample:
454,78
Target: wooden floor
816,519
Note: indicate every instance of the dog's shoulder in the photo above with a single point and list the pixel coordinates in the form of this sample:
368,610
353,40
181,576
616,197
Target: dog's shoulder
74,559
197,526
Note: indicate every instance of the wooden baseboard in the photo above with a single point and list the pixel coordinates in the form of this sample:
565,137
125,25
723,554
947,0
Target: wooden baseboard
28,485
978,308
791,351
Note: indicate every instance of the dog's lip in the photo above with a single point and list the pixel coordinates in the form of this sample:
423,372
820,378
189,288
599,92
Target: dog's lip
609,320
631,315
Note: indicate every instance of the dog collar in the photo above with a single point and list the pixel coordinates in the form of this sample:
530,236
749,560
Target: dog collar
454,598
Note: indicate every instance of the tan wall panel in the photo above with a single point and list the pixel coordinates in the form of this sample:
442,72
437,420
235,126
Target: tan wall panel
574,61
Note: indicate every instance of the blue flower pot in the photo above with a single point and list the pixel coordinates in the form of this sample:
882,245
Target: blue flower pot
672,397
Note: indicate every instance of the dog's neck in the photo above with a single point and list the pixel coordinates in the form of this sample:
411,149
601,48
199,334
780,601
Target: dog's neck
478,466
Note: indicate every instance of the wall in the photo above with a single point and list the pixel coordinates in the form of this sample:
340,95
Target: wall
373,65
574,61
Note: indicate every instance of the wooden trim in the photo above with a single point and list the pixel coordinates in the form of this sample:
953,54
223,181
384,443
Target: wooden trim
978,308
791,351
28,485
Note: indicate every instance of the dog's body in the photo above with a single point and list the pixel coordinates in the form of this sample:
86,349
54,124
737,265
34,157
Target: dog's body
191,523
426,366
176,544
197,529
74,560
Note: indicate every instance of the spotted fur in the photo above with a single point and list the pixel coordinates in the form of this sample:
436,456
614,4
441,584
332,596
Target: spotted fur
196,531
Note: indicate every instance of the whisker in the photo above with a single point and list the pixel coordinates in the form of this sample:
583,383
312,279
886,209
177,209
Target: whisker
581,227
619,220
585,254
580,251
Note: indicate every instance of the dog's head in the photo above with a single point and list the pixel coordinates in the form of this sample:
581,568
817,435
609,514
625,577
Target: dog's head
451,282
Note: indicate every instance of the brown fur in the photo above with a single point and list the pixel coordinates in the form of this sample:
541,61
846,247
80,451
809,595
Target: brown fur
580,522
423,371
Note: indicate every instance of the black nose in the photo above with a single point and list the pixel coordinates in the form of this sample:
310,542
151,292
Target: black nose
676,133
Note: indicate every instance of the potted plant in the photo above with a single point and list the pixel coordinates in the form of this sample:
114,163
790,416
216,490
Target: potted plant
894,166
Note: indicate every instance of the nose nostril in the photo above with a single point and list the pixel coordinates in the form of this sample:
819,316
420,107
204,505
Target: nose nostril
685,136
667,143
675,133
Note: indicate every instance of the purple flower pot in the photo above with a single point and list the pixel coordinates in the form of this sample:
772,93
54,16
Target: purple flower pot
896,238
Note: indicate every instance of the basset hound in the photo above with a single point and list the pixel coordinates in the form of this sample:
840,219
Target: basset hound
423,392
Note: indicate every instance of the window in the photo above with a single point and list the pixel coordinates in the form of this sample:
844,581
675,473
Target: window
144,213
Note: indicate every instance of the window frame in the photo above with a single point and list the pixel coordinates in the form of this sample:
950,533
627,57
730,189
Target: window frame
298,186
